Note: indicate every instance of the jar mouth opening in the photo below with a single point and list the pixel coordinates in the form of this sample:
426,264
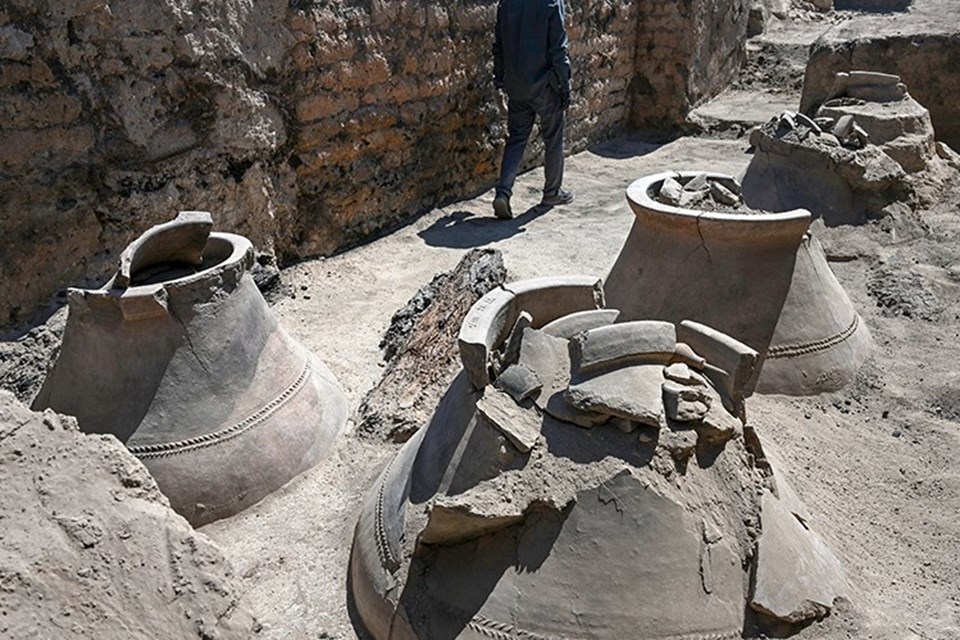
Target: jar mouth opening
216,251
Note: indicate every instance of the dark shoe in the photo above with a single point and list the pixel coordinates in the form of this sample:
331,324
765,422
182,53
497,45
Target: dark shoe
501,208
561,197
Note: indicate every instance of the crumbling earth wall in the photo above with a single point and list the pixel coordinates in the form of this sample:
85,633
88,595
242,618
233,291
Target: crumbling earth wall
305,125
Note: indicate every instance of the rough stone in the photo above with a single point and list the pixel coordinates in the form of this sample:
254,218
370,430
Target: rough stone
671,192
723,195
684,403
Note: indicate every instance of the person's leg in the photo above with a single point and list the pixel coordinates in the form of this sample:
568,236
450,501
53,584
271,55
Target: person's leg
520,117
551,130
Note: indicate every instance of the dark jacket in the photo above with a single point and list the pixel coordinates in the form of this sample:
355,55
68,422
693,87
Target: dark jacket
530,48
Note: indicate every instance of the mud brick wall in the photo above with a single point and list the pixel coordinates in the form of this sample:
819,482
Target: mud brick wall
307,125
394,112
687,51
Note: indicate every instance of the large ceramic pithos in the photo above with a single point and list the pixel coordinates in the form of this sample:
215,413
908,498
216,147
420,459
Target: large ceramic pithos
759,277
180,357
585,478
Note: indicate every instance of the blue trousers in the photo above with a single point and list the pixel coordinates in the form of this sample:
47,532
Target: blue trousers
520,117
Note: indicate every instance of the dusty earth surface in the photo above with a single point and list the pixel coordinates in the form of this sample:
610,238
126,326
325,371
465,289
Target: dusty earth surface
875,463
90,548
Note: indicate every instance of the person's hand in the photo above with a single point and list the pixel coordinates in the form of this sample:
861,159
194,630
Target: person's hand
565,100
500,97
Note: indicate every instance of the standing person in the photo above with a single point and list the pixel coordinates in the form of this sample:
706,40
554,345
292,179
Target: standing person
530,64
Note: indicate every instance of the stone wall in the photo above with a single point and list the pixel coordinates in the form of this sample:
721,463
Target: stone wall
687,52
306,125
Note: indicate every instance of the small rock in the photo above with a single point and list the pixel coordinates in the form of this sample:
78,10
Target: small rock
697,183
723,195
690,199
718,426
843,126
680,444
680,372
683,403
671,192
830,140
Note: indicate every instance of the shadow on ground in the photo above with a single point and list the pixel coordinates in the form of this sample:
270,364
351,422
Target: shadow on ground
464,230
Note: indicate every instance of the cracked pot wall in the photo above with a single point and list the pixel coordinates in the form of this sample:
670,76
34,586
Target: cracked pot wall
306,125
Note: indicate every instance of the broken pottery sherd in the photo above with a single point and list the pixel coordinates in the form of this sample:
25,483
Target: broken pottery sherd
490,320
570,325
521,427
627,342
797,577
630,391
519,381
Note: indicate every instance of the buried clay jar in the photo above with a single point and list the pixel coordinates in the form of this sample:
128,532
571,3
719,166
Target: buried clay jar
585,477
193,372
757,276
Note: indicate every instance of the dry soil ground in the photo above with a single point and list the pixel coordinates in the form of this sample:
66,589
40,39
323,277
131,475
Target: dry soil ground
875,463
